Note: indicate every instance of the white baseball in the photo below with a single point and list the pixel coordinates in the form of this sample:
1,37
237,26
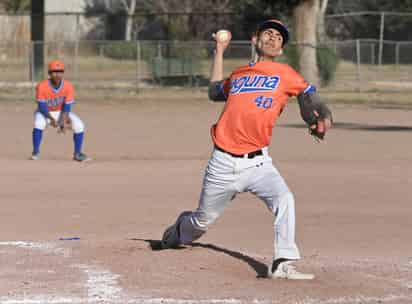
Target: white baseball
223,35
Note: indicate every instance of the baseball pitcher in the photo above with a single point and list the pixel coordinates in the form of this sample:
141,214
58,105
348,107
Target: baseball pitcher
255,95
55,97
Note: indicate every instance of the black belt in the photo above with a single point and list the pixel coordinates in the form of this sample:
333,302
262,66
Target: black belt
248,155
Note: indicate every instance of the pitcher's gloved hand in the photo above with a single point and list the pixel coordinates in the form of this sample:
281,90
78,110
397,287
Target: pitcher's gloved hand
316,114
319,128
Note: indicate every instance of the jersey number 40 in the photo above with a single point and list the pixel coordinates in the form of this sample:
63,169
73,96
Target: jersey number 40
263,102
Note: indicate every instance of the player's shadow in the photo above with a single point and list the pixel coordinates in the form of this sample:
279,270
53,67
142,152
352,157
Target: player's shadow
260,268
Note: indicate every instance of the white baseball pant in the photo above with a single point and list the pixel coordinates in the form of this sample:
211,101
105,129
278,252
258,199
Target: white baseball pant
41,122
226,176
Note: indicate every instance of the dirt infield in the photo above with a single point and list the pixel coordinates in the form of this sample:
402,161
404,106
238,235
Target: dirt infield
353,198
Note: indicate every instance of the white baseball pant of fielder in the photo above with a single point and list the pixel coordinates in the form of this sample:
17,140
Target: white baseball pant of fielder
41,122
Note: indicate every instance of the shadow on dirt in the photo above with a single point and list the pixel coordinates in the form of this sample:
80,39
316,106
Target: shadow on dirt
358,127
259,267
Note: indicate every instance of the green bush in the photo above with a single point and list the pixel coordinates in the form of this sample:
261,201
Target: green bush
292,56
327,61
172,57
128,50
327,64
121,50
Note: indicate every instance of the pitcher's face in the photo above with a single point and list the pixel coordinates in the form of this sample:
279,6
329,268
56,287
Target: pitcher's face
269,43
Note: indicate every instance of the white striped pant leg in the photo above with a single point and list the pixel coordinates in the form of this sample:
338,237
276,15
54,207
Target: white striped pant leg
217,191
267,184
77,123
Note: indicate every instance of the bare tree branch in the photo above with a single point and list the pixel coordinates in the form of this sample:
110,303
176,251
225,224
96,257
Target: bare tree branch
125,5
107,5
323,6
163,6
224,4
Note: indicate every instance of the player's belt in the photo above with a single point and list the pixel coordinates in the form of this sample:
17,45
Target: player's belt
248,155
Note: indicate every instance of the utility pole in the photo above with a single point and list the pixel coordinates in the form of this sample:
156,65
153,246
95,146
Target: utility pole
37,38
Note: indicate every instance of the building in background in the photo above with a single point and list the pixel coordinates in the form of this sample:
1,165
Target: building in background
65,20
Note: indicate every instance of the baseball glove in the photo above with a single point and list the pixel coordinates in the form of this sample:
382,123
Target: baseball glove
320,124
64,124
316,114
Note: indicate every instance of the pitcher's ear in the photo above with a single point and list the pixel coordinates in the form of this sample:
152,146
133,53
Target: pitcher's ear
280,52
254,39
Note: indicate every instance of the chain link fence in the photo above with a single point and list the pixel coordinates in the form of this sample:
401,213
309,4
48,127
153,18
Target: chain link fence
114,26
140,64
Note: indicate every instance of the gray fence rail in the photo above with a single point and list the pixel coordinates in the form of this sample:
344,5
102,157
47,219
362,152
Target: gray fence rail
137,64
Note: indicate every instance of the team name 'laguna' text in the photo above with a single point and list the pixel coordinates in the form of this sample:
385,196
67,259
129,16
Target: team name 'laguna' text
256,83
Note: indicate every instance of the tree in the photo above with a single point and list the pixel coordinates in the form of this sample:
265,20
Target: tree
114,7
182,19
307,25
306,17
368,26
15,6
322,37
130,9
186,19
251,12
307,14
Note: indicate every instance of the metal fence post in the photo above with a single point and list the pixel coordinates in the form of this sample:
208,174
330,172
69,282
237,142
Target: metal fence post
382,27
373,59
76,61
76,49
37,35
358,63
138,65
252,53
397,45
101,50
32,68
159,50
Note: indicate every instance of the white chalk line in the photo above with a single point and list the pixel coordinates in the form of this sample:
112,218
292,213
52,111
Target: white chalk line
62,300
340,300
102,287
101,284
358,299
366,264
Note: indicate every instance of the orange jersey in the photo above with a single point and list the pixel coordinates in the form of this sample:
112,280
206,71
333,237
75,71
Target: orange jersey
55,98
256,95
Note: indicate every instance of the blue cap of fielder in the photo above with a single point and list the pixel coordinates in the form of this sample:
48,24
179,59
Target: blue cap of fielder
277,25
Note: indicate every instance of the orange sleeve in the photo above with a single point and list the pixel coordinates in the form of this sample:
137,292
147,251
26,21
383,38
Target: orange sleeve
296,84
69,94
40,93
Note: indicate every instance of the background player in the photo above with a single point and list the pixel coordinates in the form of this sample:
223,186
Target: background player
255,96
55,97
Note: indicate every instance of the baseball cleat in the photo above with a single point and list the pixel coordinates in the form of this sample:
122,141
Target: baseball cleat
80,157
171,236
286,270
35,156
